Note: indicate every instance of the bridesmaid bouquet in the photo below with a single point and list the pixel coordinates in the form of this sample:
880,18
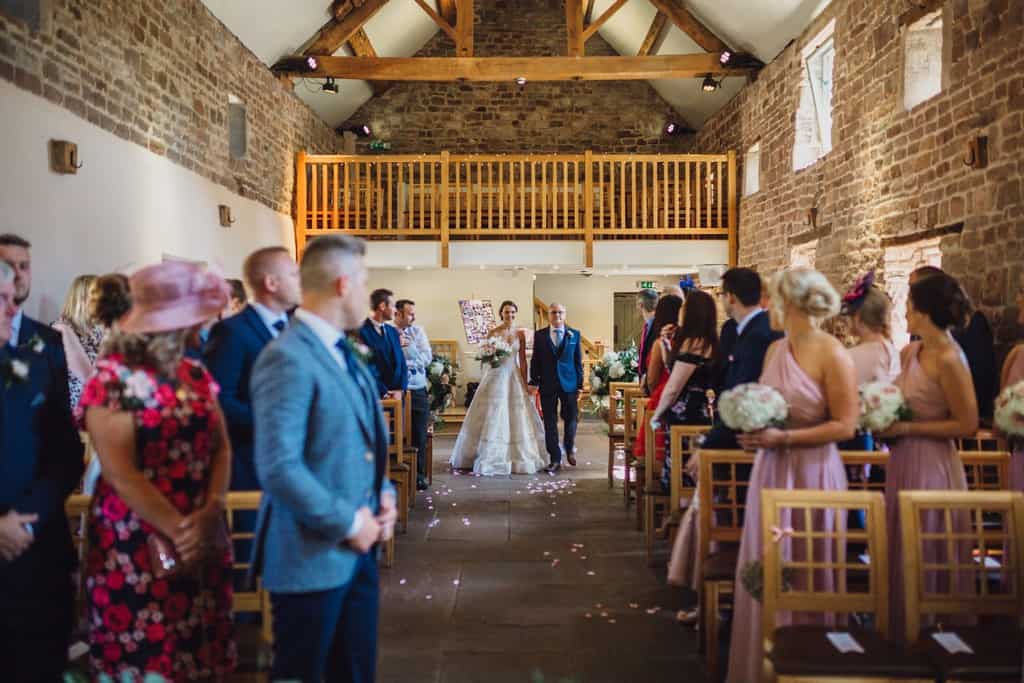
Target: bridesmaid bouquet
1009,413
493,351
752,407
881,405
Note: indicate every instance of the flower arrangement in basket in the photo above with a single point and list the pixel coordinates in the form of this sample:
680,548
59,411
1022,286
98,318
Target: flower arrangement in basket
442,374
1009,412
615,366
881,405
752,407
493,351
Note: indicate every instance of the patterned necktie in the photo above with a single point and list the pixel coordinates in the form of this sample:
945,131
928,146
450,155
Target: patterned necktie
559,333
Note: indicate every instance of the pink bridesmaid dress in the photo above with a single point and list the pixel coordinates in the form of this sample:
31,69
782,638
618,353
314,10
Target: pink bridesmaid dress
915,464
1015,375
813,467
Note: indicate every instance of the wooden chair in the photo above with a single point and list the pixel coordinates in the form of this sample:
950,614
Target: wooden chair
76,507
722,494
974,588
983,440
410,454
632,422
682,442
445,347
803,653
654,496
861,459
248,601
398,471
986,470
616,423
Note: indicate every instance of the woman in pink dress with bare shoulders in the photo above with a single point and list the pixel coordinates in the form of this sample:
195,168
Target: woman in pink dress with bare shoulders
937,387
814,373
1013,372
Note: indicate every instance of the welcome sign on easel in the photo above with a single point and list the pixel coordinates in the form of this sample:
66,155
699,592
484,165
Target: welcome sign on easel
477,318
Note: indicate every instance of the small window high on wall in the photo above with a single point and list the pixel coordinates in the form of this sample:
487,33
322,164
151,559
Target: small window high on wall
922,60
752,170
814,113
237,134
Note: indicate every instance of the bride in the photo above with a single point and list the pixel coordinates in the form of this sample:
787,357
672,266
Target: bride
502,432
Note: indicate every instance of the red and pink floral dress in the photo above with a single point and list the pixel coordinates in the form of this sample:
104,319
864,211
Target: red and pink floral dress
179,627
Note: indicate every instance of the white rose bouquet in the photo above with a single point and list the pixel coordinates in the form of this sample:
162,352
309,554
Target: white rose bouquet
752,407
1009,412
614,366
881,405
493,351
442,375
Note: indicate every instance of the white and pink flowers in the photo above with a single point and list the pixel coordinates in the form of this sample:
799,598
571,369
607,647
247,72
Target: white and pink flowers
881,405
752,407
1009,412
493,351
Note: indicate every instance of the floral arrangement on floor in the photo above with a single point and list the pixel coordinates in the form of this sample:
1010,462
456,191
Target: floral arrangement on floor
881,405
615,366
752,579
442,374
752,407
1009,412
493,351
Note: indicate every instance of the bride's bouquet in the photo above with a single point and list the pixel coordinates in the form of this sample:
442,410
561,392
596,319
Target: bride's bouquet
1009,413
493,351
752,407
881,405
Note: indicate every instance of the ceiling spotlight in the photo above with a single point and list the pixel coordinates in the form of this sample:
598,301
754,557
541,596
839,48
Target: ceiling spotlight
298,64
724,57
520,81
710,84
675,128
311,63
330,86
362,130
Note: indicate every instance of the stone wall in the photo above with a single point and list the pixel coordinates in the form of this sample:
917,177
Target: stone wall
159,74
893,177
572,116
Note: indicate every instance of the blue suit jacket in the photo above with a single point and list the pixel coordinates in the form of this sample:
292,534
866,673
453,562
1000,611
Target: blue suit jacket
230,355
40,465
562,368
54,350
388,362
321,454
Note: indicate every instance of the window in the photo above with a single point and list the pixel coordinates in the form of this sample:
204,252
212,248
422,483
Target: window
752,170
899,261
922,60
814,114
804,255
237,137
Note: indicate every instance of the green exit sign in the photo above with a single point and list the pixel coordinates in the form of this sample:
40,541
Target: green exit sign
646,284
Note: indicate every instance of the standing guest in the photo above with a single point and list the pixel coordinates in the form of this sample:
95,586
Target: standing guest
418,355
237,299
936,385
646,303
40,464
321,455
80,334
153,417
667,313
1013,372
814,373
975,338
556,373
388,362
235,343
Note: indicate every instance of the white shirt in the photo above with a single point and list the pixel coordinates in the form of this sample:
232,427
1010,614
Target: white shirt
418,355
16,327
269,317
743,323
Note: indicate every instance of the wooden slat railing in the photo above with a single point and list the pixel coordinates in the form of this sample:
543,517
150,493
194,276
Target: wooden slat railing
559,196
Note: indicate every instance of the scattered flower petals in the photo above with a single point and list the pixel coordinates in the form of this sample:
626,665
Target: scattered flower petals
456,582
591,573
604,614
546,553
611,621
401,582
588,615
654,610
633,605
430,597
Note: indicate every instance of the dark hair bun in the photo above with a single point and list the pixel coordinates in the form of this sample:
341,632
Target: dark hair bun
113,298
942,299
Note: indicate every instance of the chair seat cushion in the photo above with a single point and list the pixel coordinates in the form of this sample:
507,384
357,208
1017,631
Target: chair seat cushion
997,653
804,650
720,566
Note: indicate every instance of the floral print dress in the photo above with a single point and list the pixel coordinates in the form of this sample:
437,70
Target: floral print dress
179,627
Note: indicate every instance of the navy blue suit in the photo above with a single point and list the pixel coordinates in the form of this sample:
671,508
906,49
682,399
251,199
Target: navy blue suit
743,363
558,373
40,465
388,363
54,349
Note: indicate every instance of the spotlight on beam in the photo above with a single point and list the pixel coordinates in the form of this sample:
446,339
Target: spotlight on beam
676,128
299,64
330,86
311,63
724,57
710,84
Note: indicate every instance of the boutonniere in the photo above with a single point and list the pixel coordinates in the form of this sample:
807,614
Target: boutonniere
35,344
13,371
359,350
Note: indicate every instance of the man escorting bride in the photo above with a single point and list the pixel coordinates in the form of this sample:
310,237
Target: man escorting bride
502,433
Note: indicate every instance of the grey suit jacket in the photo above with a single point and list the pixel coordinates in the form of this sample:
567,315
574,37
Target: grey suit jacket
320,455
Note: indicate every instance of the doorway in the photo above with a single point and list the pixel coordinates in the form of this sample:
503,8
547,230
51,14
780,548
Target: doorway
627,321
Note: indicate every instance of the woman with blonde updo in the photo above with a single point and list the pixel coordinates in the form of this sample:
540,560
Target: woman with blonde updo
80,334
874,357
814,373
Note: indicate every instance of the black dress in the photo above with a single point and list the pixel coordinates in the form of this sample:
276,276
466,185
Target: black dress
692,406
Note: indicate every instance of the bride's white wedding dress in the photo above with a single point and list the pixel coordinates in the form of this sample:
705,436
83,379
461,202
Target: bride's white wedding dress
502,432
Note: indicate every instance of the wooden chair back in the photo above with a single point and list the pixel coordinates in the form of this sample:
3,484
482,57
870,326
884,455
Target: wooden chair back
986,470
860,461
722,491
616,408
796,549
632,420
76,507
983,440
247,600
393,418
407,417
961,580
682,442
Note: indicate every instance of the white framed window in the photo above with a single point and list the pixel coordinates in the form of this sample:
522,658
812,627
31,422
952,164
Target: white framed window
922,60
898,262
752,170
238,138
814,113
804,255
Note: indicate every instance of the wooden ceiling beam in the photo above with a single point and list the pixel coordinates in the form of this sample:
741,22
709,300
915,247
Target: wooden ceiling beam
574,27
531,68
608,14
464,28
588,12
654,35
690,25
438,19
361,46
448,11
348,18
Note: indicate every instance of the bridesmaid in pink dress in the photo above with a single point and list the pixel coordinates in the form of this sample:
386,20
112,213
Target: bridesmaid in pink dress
936,384
1013,372
814,373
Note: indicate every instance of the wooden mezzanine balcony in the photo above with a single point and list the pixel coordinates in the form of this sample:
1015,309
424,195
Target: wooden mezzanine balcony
445,197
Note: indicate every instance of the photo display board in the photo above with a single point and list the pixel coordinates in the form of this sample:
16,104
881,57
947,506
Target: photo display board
477,318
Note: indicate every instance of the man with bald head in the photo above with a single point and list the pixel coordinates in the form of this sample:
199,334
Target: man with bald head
556,371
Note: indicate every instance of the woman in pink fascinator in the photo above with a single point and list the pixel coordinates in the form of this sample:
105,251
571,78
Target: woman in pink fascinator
157,512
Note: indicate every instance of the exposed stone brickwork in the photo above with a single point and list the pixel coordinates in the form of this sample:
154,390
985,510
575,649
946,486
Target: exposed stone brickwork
893,176
159,74
467,118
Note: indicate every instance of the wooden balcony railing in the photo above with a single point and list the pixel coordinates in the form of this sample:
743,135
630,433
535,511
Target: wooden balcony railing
444,197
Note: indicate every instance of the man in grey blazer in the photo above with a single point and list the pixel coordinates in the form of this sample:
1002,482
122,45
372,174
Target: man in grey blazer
321,458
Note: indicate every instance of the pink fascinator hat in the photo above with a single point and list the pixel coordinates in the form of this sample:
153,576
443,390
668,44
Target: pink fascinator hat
173,295
854,299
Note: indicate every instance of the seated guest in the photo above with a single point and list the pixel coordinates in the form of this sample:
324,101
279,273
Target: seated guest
80,334
1013,372
388,363
237,341
153,417
659,360
41,463
418,355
